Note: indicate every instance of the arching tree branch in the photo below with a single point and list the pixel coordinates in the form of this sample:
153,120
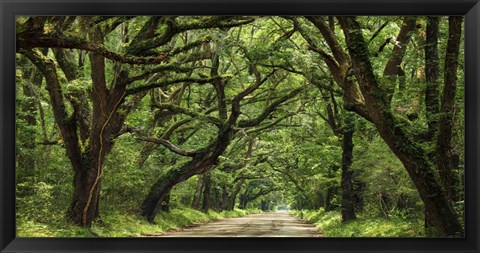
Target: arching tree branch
168,145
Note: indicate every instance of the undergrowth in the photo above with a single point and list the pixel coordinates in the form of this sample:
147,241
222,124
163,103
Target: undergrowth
122,224
330,223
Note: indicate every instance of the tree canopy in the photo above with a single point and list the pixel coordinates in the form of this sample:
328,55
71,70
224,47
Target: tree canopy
143,115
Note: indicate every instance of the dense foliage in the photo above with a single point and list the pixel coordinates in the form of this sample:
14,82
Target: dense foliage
353,121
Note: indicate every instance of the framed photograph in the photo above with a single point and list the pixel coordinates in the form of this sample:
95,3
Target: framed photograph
239,126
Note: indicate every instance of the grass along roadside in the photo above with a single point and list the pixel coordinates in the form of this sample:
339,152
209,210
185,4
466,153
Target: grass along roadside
117,224
330,223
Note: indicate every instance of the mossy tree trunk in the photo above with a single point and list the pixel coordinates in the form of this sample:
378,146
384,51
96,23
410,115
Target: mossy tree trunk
393,70
206,192
348,201
229,204
86,132
200,162
198,192
444,151
414,158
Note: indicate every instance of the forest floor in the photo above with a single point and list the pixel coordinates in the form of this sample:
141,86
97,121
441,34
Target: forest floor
268,224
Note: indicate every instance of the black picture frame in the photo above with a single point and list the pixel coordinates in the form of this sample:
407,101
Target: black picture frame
10,8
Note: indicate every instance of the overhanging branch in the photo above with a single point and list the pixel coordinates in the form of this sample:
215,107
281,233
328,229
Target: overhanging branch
50,40
180,110
168,145
172,81
269,109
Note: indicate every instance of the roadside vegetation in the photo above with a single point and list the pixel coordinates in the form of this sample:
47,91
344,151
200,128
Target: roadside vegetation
124,224
331,225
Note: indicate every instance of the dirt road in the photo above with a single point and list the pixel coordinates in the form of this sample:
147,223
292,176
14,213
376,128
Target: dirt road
272,224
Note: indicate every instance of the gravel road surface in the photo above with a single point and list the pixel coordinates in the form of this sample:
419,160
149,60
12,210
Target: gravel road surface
271,224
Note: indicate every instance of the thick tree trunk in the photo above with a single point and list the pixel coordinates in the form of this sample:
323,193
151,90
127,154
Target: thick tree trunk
97,137
89,173
199,163
84,209
198,193
161,188
206,192
393,70
241,203
432,70
423,176
232,201
223,202
217,199
243,200
413,157
445,124
164,205
231,198
348,207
